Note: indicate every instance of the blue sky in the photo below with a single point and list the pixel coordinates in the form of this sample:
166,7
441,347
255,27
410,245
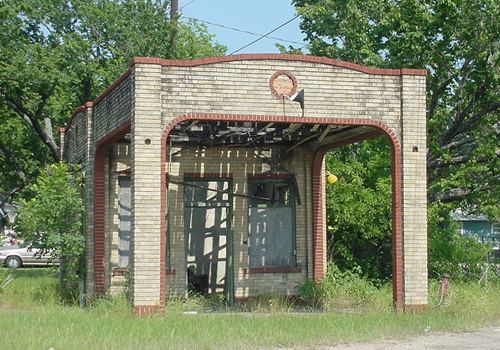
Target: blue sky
257,16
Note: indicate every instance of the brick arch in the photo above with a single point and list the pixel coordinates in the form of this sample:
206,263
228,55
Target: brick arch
397,213
318,220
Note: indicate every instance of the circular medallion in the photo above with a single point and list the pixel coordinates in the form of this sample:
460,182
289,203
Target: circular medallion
283,83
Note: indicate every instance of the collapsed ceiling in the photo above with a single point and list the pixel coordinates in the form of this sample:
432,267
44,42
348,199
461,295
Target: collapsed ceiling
262,134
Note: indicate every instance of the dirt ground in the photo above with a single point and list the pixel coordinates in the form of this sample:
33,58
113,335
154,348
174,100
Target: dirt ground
484,339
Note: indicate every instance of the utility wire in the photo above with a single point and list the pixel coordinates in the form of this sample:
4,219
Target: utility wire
245,31
189,3
265,35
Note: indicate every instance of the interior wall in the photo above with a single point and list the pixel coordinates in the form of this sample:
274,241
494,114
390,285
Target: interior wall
237,163
118,164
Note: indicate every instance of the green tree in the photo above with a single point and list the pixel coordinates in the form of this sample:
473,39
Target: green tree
458,43
359,208
52,220
58,54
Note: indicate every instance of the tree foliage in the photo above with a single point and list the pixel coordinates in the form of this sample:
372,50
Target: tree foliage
450,252
458,42
359,208
52,219
59,54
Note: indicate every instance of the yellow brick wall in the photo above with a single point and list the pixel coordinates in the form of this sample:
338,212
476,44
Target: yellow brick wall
239,162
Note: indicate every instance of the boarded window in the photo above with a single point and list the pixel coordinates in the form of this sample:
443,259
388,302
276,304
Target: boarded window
271,223
124,217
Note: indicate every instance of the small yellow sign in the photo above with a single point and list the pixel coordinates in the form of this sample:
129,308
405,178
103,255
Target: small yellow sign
331,179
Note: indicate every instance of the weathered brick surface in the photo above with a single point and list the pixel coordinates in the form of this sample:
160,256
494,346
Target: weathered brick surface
75,140
151,95
414,173
114,109
145,150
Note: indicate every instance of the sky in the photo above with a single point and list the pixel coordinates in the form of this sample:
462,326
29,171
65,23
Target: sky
257,16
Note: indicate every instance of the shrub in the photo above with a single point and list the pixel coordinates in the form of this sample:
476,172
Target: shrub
449,252
341,289
53,219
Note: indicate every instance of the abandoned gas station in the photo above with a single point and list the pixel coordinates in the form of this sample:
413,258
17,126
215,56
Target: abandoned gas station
208,174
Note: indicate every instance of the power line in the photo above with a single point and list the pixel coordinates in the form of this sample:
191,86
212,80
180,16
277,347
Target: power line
189,3
246,31
265,35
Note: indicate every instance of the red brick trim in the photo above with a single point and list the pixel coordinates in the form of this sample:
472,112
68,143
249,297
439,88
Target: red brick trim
148,310
397,212
318,272
277,57
269,176
272,269
397,224
276,75
99,205
208,176
119,271
99,220
114,135
244,57
113,86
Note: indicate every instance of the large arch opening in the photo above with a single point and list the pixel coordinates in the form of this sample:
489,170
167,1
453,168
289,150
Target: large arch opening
285,135
359,240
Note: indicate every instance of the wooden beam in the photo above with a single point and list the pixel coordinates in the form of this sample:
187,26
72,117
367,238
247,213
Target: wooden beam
310,137
324,133
343,135
193,123
258,132
292,128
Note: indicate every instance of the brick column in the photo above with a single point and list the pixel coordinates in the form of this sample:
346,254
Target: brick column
319,214
146,184
414,190
89,204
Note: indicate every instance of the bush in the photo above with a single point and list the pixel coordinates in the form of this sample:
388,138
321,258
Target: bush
450,252
342,289
359,208
53,219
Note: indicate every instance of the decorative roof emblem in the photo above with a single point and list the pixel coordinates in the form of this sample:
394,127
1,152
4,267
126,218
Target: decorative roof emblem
283,84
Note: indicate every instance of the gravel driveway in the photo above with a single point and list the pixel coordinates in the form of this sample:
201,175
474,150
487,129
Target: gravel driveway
484,339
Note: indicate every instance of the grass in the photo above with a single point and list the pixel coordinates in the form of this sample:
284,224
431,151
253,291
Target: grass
32,318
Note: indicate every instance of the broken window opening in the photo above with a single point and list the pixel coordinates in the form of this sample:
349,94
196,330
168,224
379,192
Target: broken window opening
271,223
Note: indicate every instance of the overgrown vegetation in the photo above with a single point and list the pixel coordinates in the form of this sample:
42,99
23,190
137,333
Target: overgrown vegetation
359,208
30,303
52,221
359,219
449,252
457,42
348,289
56,55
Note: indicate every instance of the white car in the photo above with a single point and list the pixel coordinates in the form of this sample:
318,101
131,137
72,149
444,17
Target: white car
24,254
